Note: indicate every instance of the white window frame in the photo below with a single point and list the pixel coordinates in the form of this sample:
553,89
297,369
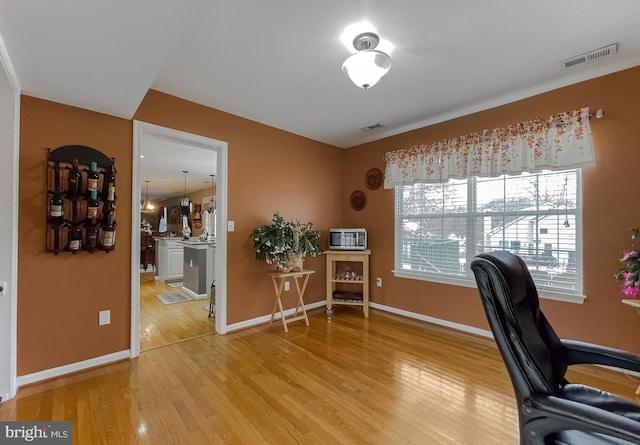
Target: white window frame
468,280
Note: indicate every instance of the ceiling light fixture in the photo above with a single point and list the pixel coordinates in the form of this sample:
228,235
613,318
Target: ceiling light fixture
368,65
146,204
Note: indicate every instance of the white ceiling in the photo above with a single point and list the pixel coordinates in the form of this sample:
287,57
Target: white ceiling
163,161
279,62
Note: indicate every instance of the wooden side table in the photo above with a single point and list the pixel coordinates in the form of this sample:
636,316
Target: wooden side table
278,279
355,256
636,304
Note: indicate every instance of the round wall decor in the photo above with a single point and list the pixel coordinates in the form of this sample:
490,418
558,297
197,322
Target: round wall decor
357,200
373,179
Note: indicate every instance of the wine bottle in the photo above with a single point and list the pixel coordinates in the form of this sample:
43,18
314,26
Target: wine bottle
92,205
75,238
108,182
109,209
108,234
74,180
92,178
108,237
56,211
91,243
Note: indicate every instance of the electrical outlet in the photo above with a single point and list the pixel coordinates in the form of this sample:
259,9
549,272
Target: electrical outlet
104,317
379,282
287,286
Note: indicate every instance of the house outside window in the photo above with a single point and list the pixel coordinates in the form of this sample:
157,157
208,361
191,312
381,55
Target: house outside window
439,228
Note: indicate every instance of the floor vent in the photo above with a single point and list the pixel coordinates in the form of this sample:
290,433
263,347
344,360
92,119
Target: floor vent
591,55
372,127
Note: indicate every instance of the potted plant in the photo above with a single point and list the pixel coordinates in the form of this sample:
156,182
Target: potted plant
285,243
629,274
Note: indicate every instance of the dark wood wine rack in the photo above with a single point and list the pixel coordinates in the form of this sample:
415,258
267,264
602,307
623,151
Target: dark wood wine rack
74,206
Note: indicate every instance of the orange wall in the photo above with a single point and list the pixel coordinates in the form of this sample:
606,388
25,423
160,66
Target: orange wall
611,207
59,297
269,170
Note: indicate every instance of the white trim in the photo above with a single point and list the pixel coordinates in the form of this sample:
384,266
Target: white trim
144,129
433,320
10,72
543,293
265,318
13,388
9,69
192,294
73,367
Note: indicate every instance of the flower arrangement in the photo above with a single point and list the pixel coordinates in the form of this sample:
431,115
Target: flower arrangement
285,243
629,274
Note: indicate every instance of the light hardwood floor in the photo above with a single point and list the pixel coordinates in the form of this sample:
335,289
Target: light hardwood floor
164,324
345,380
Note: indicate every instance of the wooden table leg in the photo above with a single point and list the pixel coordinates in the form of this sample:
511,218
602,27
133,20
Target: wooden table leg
300,304
278,285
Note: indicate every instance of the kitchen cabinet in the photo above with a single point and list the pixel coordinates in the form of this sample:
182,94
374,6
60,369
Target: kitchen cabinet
348,279
170,254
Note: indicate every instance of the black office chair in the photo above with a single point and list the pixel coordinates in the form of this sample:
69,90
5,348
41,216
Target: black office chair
550,409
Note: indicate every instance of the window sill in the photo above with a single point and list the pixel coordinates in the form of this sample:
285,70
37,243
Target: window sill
543,293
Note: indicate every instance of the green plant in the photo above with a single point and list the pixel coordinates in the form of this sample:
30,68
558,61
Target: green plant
278,241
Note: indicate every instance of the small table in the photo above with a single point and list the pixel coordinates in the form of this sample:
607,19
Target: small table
636,304
278,279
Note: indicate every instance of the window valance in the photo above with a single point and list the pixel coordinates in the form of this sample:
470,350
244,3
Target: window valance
562,141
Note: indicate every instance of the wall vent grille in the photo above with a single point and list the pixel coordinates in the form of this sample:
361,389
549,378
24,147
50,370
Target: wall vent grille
590,56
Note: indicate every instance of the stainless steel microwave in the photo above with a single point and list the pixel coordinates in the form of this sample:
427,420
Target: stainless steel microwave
348,239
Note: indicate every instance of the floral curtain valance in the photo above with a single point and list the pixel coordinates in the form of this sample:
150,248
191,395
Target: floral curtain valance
560,142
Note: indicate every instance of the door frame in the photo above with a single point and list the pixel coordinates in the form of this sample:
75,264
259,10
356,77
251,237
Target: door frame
142,130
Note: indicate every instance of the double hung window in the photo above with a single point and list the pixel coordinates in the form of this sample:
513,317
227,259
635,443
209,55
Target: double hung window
439,228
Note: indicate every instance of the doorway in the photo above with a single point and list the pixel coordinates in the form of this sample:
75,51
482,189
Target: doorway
144,134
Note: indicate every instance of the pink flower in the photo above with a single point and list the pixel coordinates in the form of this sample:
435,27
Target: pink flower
628,254
628,276
629,291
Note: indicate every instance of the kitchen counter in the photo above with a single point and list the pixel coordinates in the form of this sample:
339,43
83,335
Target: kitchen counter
196,242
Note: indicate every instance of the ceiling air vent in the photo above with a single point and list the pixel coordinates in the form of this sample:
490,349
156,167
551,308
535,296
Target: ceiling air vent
591,55
372,127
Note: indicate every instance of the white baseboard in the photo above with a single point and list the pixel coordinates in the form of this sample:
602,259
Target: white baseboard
458,326
265,318
193,295
438,321
72,367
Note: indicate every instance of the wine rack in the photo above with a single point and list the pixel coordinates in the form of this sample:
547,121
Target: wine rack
81,200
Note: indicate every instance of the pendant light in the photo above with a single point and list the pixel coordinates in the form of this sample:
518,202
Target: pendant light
367,65
146,204
185,201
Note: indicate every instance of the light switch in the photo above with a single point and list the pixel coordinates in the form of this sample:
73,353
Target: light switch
230,226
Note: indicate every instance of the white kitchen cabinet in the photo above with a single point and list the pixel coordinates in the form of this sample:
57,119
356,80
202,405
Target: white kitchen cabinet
169,259
174,263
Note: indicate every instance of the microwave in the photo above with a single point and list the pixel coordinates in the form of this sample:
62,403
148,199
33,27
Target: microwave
347,239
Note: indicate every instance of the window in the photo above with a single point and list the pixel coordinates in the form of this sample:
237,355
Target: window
440,227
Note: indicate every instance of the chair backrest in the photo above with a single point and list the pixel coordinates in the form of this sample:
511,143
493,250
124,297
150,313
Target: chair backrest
533,354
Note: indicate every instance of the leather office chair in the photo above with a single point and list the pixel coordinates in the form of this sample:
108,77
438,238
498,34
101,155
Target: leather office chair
550,409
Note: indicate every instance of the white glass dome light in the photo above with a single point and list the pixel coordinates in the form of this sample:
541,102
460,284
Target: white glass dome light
368,65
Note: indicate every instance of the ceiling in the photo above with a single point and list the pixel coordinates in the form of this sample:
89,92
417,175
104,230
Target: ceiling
279,62
163,162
